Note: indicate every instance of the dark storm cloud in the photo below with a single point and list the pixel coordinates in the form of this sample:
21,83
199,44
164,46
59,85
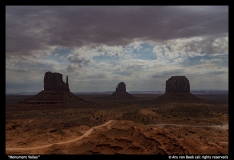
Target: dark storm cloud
31,29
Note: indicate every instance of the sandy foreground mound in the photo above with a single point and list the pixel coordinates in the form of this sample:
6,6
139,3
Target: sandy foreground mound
127,137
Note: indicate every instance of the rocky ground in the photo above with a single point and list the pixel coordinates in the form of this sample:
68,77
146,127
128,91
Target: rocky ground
135,127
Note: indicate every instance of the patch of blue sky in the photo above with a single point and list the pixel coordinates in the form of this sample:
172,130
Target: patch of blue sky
144,51
60,54
221,64
223,56
190,61
223,59
106,58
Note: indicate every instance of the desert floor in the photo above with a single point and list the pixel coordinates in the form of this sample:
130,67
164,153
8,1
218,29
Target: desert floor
105,125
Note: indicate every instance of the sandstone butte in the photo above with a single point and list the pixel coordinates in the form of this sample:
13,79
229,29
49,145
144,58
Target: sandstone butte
120,92
178,89
56,91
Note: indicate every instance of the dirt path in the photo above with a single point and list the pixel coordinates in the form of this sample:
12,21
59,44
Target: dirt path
87,133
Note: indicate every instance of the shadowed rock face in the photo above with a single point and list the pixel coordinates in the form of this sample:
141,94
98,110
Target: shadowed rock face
121,91
54,81
56,91
177,84
121,87
177,89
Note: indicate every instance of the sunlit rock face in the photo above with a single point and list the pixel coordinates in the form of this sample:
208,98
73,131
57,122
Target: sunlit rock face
177,84
54,81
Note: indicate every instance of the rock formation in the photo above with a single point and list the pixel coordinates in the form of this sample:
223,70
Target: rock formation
121,87
56,91
54,81
177,89
177,84
121,91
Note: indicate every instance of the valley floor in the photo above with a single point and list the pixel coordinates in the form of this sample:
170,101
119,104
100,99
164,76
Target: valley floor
108,126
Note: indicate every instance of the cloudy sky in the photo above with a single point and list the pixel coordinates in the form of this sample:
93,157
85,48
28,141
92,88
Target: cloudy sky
99,46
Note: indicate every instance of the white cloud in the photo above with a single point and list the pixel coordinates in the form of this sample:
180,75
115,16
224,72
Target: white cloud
132,66
191,47
80,61
28,63
110,50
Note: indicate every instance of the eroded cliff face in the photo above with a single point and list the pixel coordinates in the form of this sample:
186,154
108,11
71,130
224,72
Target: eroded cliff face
177,84
54,81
